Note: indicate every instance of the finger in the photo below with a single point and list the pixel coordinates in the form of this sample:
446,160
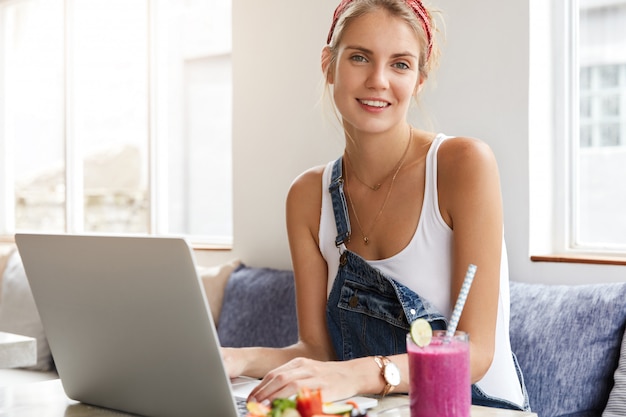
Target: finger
281,385
272,386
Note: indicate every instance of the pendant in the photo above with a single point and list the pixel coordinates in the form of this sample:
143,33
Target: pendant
366,240
376,187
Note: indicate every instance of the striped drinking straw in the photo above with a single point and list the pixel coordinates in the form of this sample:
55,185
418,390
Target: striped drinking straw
460,302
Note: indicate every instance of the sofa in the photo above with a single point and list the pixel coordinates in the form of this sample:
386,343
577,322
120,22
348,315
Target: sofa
569,340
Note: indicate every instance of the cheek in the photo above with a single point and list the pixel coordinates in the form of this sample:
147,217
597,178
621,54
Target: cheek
344,87
407,90
345,79
339,96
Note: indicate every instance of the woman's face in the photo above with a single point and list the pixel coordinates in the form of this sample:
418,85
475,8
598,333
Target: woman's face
376,73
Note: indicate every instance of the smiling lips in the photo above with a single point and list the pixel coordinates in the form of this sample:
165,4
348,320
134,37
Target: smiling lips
374,103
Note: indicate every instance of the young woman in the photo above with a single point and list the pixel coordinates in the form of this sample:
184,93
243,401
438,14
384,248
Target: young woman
398,217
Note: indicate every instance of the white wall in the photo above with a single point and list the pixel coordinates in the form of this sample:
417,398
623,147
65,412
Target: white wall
480,90
280,127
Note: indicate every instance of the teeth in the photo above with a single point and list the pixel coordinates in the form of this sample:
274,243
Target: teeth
374,103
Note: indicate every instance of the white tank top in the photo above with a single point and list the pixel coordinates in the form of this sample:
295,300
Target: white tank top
428,255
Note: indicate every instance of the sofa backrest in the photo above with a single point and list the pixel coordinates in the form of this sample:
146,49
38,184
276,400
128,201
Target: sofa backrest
567,340
258,309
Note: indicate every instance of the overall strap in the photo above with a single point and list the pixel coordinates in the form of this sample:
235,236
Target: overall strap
340,208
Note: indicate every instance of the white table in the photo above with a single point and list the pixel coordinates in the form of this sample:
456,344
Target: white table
17,351
47,399
398,406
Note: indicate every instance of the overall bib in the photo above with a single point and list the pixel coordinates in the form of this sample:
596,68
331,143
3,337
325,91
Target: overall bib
369,313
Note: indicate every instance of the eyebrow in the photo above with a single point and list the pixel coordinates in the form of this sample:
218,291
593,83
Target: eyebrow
370,52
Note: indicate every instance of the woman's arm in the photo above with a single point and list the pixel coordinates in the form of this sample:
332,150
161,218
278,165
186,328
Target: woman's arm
471,203
303,214
310,270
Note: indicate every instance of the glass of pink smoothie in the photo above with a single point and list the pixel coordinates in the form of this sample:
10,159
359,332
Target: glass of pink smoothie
439,376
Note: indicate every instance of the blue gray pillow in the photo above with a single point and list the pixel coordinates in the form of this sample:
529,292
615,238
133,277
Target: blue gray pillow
616,407
259,308
567,339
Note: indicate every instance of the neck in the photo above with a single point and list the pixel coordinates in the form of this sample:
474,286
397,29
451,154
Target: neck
373,156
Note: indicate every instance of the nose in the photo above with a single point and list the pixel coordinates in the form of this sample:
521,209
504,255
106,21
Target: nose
377,78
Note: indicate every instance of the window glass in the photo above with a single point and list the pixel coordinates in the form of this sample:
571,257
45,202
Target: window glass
115,117
599,165
108,104
32,85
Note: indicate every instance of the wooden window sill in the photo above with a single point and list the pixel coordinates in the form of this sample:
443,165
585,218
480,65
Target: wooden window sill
580,259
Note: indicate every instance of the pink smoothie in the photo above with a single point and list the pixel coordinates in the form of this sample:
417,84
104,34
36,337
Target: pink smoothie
440,377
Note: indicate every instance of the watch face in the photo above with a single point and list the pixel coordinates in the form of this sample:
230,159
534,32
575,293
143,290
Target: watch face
392,374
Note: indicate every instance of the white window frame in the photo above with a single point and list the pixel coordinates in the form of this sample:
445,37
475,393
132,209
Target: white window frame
565,77
554,131
157,154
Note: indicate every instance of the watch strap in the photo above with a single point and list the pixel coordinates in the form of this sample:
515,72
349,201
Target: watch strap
382,362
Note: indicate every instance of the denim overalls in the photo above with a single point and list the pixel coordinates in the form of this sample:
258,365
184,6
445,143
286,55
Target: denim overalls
369,313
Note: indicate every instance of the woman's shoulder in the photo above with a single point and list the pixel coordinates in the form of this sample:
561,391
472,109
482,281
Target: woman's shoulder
459,154
466,172
310,178
307,187
304,202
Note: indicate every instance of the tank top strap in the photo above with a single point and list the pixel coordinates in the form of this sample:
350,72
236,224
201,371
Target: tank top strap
430,191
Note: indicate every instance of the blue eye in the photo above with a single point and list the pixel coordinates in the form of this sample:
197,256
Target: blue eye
358,58
401,65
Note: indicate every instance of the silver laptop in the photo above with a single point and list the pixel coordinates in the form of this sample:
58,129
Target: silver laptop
128,324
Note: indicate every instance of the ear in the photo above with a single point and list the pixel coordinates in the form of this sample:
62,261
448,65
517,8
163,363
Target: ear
419,85
326,68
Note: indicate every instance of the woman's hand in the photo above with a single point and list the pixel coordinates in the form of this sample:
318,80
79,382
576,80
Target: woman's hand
335,379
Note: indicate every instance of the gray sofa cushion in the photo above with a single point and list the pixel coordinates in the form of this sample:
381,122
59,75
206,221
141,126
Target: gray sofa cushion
18,312
616,407
567,340
258,309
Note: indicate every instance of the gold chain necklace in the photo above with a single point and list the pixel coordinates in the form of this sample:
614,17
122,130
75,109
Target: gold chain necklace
366,239
376,187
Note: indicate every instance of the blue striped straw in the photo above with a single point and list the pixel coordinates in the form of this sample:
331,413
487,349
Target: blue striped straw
460,302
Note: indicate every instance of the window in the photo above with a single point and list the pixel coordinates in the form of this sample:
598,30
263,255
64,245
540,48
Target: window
602,100
599,155
115,117
585,125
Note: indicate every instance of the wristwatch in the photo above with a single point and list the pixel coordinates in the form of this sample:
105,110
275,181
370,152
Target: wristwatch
389,372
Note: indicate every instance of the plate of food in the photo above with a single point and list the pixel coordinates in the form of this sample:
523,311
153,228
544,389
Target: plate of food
308,403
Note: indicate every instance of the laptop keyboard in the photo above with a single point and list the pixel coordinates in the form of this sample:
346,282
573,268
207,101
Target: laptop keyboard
241,407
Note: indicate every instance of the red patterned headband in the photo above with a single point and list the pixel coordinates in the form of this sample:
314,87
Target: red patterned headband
415,5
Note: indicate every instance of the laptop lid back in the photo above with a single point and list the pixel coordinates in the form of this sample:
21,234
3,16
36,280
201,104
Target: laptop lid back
128,323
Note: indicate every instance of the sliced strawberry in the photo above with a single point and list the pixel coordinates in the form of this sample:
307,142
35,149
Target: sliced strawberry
309,402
